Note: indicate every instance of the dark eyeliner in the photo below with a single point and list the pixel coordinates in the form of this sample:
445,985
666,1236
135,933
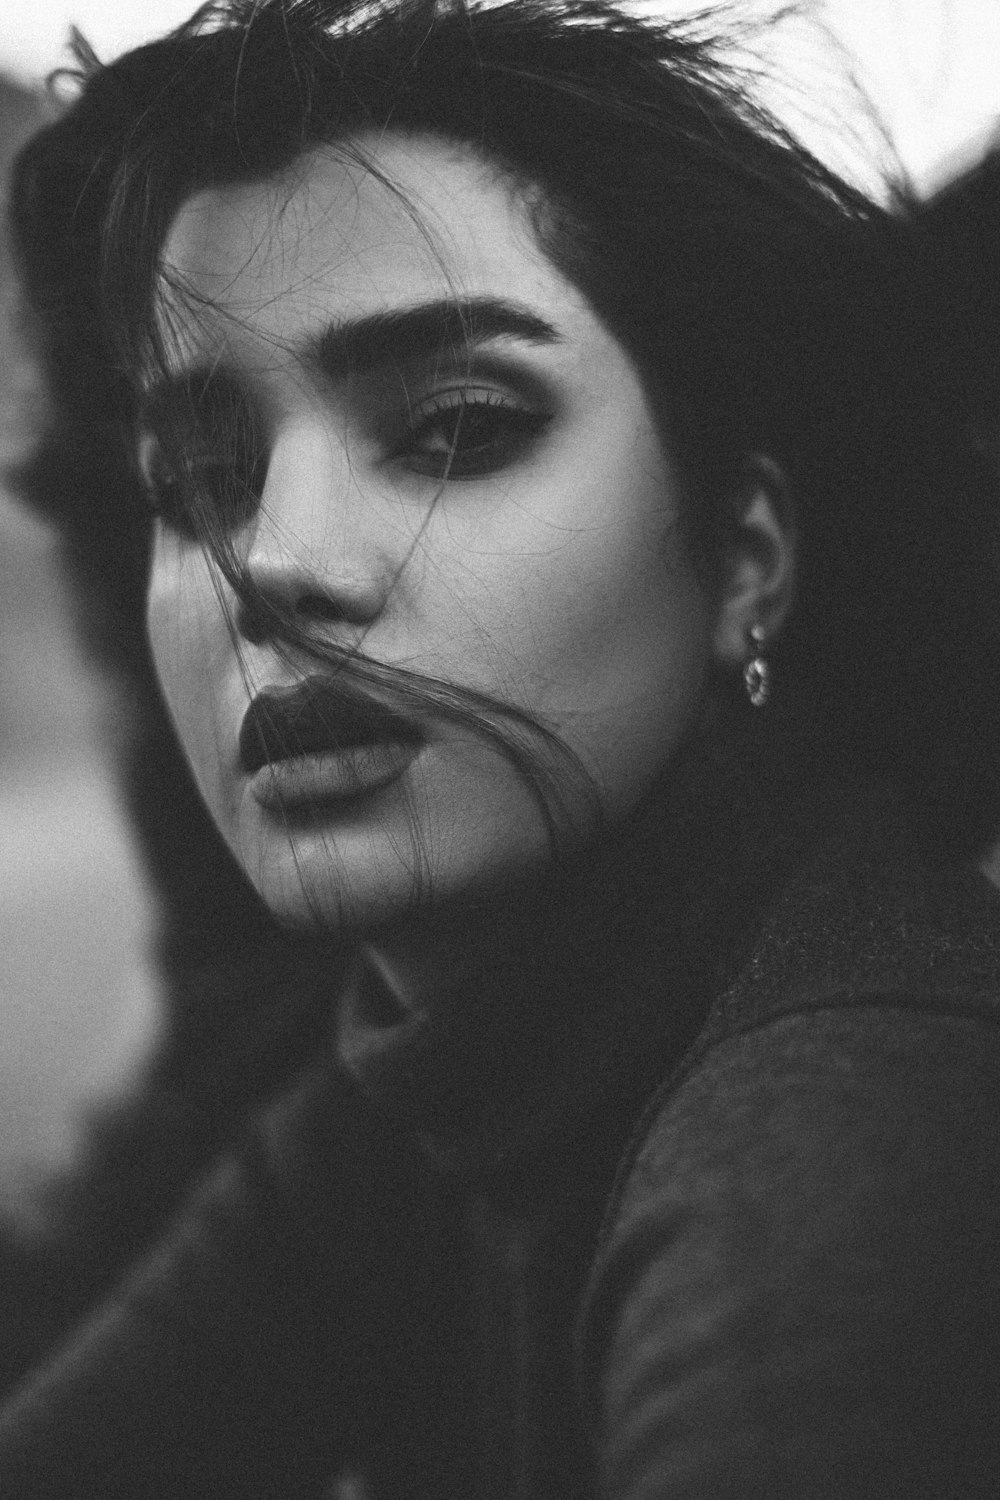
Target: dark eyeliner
489,430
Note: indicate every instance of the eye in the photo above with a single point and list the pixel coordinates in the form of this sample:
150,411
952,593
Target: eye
193,490
470,432
180,492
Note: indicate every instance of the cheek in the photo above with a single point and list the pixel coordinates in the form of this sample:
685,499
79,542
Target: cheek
190,644
625,663
600,628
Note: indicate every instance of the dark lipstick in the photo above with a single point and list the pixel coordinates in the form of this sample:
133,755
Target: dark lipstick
324,739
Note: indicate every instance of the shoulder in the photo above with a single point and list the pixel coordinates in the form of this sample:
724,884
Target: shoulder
798,1289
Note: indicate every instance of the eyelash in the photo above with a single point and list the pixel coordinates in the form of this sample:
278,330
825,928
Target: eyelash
200,489
182,494
511,430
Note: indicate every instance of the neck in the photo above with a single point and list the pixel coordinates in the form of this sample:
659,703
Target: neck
510,940
496,1024
571,916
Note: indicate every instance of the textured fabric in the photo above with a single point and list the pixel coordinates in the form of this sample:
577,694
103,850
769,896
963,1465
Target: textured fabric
799,1295
753,1252
798,1291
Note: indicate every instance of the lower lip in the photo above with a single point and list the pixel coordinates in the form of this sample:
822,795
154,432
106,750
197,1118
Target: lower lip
331,776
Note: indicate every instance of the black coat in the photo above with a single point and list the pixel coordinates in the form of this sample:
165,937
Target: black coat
704,1237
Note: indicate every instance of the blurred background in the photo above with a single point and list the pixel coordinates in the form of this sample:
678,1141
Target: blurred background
79,1006
77,998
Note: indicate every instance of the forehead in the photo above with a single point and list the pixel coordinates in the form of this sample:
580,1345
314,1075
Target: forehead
349,231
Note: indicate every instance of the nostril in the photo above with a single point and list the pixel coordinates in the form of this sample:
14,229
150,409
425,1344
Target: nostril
320,607
261,617
257,619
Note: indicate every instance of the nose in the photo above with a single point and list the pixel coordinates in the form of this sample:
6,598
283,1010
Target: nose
320,553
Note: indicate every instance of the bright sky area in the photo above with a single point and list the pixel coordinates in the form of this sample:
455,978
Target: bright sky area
931,66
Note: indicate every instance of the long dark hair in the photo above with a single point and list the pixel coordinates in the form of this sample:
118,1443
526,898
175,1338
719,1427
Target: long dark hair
767,303
769,306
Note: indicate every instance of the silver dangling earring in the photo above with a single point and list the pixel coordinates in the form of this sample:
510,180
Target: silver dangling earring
757,672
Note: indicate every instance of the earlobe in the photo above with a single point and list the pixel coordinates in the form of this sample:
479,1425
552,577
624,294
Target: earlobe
758,571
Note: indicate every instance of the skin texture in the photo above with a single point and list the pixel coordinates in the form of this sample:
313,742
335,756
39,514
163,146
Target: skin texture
556,577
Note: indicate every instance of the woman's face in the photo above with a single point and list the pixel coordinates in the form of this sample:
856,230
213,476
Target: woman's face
483,497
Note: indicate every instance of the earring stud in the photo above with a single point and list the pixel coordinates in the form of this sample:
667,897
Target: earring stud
757,672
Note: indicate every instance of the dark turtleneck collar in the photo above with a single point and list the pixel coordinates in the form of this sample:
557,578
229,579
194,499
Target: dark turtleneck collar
494,1082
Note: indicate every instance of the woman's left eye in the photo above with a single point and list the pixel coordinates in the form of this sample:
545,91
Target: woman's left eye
469,433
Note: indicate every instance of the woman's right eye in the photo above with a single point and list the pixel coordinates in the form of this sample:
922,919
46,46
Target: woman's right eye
195,492
176,492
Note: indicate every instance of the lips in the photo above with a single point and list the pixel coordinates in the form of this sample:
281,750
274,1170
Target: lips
320,716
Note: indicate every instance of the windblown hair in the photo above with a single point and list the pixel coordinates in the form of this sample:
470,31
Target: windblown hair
769,307
767,304
958,228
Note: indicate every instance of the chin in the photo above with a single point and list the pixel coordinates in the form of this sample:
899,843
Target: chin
364,877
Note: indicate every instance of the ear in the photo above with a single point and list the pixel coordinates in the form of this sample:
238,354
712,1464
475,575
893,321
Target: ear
758,569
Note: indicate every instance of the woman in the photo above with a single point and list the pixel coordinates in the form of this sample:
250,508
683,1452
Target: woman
515,455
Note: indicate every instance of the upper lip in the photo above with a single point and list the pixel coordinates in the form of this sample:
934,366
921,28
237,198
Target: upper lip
319,713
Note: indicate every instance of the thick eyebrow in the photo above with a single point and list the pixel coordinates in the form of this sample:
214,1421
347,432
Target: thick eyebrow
401,335
359,346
